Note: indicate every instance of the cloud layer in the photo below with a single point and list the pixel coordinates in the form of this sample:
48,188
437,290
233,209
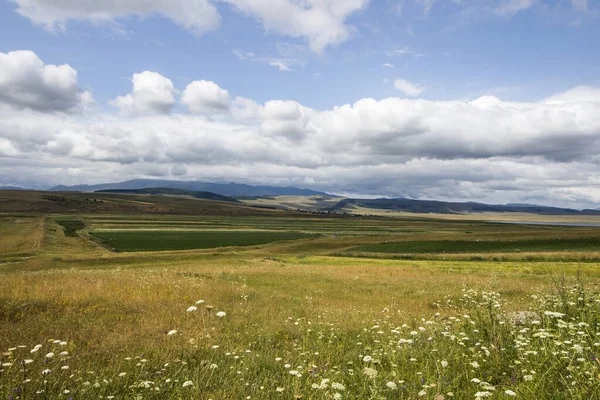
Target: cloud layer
485,149
321,22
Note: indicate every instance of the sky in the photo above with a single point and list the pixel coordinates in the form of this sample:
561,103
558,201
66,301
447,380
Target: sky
494,101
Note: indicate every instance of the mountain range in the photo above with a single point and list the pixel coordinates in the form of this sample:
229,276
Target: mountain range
230,191
224,189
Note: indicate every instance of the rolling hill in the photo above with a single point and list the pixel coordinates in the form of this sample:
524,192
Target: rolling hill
224,189
442,207
172,192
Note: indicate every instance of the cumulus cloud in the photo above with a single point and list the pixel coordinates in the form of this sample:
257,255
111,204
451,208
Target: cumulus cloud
197,16
409,88
321,22
152,93
26,82
205,97
486,149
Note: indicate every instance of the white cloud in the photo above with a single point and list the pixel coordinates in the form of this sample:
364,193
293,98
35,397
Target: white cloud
282,65
26,82
388,65
485,150
579,94
205,97
409,88
511,7
152,93
321,22
197,16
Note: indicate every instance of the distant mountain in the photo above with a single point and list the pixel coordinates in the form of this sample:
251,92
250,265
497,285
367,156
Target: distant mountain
172,192
224,189
442,207
522,205
11,188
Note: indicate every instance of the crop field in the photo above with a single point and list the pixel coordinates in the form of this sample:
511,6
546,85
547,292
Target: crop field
290,306
478,246
184,240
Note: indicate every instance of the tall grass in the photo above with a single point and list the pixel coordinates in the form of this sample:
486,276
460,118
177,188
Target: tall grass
469,347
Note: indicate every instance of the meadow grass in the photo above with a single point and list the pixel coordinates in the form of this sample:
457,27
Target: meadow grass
79,321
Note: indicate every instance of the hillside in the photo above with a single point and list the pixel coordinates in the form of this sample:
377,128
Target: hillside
224,189
441,207
172,192
73,202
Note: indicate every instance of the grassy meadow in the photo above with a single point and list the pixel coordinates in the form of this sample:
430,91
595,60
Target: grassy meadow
257,304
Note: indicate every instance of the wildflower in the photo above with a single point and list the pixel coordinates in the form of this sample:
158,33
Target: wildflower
46,371
370,372
421,393
475,364
50,355
337,396
279,389
64,353
122,374
27,361
200,302
528,378
510,393
391,385
171,332
192,308
64,367
337,386
221,314
482,394
286,366
187,383
213,366
367,359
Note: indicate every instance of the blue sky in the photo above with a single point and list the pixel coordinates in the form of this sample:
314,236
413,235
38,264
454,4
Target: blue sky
303,69
455,51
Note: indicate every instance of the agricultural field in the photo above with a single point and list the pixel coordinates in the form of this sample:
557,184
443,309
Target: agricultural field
260,304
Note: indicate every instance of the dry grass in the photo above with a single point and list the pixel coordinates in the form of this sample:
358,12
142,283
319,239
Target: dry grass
113,306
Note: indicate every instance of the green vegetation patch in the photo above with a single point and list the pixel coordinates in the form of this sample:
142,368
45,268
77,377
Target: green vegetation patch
171,240
476,246
70,226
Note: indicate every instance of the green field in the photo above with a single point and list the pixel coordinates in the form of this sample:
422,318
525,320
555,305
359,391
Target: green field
172,240
70,226
477,246
294,306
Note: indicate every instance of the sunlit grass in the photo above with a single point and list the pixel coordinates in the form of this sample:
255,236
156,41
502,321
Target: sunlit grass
297,323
